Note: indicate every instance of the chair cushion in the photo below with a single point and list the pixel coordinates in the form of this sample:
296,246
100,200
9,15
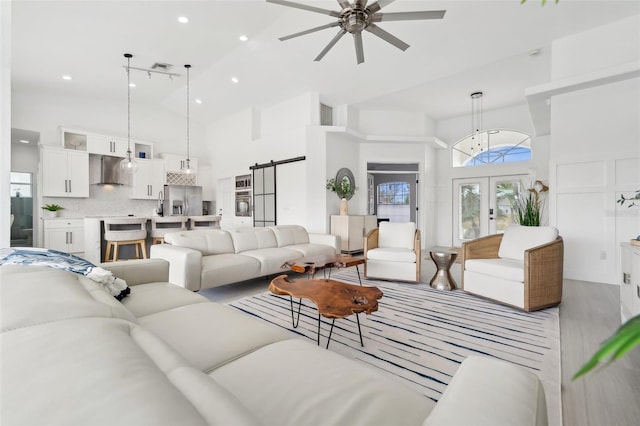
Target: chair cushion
517,239
392,254
398,235
313,249
508,269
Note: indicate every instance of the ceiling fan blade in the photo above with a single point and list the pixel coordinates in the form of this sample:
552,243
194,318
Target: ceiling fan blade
357,38
408,16
309,31
344,3
332,43
305,7
374,7
361,3
374,29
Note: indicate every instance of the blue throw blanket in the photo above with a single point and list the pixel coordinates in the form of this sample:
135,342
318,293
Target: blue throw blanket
67,262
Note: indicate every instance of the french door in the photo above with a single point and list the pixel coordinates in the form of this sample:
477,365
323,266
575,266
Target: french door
483,205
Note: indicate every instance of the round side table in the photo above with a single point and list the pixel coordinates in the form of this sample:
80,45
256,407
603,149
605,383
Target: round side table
442,279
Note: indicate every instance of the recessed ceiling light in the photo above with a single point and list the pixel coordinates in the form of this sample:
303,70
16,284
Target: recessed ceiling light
66,77
183,19
24,141
234,79
199,101
132,85
243,38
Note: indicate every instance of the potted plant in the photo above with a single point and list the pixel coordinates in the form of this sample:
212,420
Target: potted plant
528,210
52,209
344,190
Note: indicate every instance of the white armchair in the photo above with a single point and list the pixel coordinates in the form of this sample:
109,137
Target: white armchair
392,252
521,268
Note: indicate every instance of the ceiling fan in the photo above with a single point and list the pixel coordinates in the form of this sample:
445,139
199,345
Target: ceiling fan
357,16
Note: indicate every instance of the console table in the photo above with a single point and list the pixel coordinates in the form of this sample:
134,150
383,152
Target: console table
351,229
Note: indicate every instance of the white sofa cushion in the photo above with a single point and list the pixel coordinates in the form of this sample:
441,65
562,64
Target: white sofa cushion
228,268
90,371
40,294
229,334
508,269
287,235
156,297
313,249
332,386
398,235
245,239
392,254
207,241
517,239
272,259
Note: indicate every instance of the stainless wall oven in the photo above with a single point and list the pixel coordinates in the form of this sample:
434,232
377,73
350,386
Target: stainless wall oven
243,203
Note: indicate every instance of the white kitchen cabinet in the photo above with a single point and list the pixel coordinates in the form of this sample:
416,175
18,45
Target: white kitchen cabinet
630,286
106,145
176,162
65,173
203,178
148,180
352,229
65,235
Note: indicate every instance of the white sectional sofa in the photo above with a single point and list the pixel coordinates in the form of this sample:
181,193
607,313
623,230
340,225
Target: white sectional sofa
71,354
203,259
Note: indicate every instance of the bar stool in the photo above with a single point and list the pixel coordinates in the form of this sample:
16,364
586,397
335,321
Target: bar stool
124,231
162,225
204,222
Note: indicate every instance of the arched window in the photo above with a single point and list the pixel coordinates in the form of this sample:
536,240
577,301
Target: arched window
491,147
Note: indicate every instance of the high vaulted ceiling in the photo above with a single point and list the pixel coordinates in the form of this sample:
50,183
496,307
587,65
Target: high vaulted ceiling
479,45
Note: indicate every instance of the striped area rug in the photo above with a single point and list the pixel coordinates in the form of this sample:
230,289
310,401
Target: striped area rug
420,336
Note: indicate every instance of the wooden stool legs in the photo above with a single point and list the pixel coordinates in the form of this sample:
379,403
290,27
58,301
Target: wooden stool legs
140,246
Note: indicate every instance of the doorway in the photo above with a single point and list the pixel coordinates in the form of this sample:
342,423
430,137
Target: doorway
483,205
392,193
21,209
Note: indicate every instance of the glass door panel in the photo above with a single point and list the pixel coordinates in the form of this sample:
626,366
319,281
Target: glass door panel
482,205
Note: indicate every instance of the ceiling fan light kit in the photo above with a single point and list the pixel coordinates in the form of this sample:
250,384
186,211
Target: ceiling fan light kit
355,17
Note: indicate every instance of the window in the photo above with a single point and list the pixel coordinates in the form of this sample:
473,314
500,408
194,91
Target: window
394,201
21,184
393,193
491,147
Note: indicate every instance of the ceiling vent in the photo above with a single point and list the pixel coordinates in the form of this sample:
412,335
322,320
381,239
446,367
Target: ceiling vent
161,66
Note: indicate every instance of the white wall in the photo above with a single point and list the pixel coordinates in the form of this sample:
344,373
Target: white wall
5,123
149,122
610,45
383,123
595,151
452,130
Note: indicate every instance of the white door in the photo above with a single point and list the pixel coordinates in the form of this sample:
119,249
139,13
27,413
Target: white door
482,205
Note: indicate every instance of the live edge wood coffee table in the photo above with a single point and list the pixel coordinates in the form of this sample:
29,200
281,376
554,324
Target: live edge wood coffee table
334,299
311,264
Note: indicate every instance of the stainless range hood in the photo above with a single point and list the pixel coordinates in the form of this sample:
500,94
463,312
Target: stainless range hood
110,170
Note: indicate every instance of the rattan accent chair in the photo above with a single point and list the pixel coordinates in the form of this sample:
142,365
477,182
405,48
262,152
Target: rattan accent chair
531,280
392,252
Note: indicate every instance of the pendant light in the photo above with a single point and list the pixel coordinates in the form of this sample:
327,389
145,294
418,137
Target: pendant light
187,169
127,164
476,123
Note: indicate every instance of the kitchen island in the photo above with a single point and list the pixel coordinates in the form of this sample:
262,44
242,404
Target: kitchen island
94,242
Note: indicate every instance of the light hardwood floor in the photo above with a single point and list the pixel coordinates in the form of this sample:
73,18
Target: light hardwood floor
589,313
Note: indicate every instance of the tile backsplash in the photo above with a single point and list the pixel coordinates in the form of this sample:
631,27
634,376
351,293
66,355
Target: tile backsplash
104,200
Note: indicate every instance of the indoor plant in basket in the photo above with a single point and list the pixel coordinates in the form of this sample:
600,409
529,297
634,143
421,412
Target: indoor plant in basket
52,209
528,209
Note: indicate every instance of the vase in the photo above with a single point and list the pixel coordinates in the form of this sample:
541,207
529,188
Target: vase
344,207
52,213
